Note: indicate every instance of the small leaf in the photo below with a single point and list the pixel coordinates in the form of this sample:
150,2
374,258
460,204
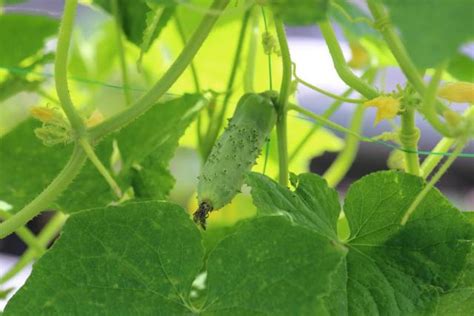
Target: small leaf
461,67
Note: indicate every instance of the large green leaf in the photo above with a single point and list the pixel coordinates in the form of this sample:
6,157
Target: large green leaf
137,259
24,35
432,30
141,259
390,269
302,12
146,145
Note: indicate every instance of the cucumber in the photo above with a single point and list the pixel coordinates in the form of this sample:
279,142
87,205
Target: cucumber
235,152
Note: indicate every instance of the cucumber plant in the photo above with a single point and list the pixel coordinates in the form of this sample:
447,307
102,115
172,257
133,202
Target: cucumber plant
102,156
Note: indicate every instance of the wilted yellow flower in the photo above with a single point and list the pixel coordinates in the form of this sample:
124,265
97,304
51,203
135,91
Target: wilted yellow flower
461,92
387,107
95,118
43,114
360,58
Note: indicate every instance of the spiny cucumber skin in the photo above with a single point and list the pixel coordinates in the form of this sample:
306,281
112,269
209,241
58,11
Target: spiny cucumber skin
236,151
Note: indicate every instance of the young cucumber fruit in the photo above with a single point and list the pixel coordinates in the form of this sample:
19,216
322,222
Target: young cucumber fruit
235,152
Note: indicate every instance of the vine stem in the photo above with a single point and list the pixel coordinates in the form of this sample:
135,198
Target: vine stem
171,75
419,198
252,52
344,160
25,234
409,136
60,67
281,125
121,51
324,121
45,198
182,35
340,64
86,146
322,91
215,127
430,163
404,61
47,234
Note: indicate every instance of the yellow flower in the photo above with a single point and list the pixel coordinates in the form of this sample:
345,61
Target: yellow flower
43,114
461,92
360,58
387,107
95,118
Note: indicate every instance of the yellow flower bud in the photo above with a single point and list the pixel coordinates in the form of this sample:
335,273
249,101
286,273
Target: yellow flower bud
462,92
95,118
360,58
43,114
387,107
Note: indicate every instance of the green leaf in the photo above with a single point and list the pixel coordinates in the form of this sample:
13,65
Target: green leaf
271,267
16,84
132,17
26,165
432,30
146,147
156,21
349,16
461,67
389,269
313,204
141,258
145,156
25,35
304,12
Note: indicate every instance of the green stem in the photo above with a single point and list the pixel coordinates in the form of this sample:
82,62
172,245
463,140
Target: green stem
184,40
429,99
326,93
45,198
60,67
395,44
419,198
86,146
121,51
25,234
212,135
345,159
409,136
49,232
400,53
340,64
430,163
281,124
172,74
324,121
252,52
327,114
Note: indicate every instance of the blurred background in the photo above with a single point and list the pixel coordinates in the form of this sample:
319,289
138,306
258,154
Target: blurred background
95,80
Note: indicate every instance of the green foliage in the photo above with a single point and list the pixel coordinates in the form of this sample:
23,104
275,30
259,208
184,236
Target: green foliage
139,161
143,257
132,17
461,67
306,12
391,268
432,30
26,34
